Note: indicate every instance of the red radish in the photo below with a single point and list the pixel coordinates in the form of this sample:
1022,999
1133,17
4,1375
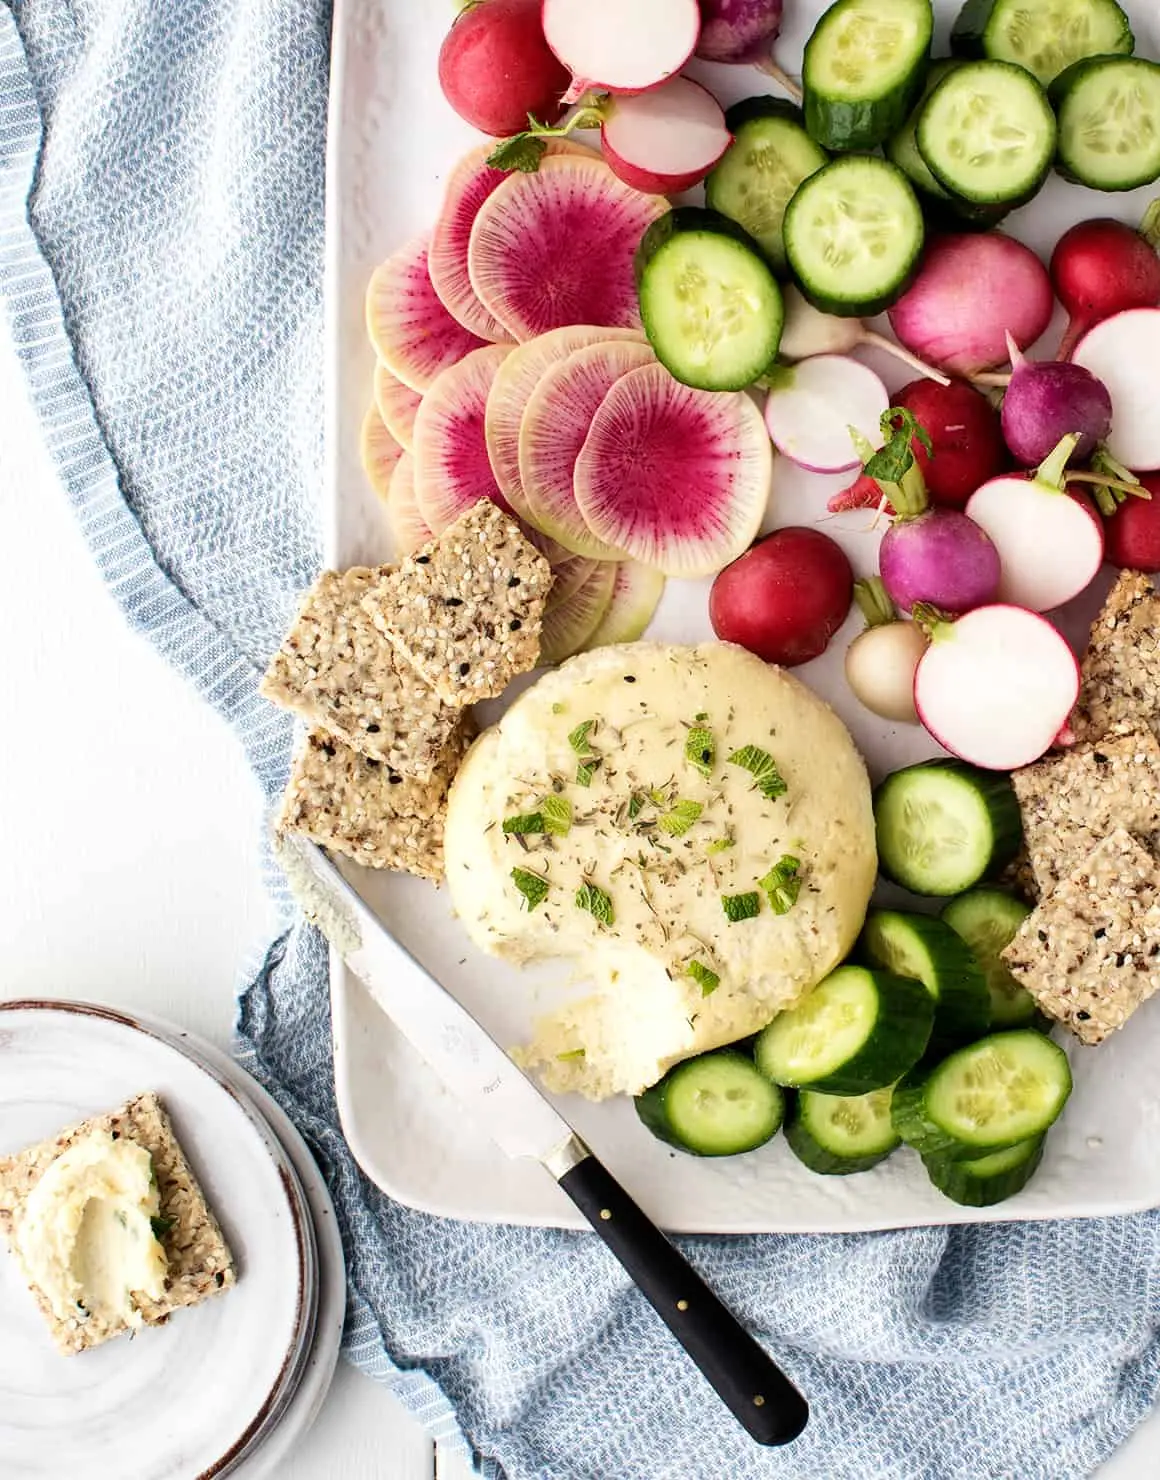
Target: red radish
863,493
409,529
1051,543
573,615
452,471
738,31
996,687
970,293
806,332
495,67
677,478
636,594
557,247
1046,400
667,140
881,663
621,48
1124,352
412,333
785,598
398,405
966,439
812,406
380,453
1101,268
1133,531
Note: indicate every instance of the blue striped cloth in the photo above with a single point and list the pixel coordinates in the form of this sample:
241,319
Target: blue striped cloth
160,271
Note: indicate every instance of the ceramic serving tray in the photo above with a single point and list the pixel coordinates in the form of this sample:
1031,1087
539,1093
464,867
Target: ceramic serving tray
393,142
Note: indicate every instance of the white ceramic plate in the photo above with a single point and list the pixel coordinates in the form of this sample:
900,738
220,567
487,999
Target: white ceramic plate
393,141
196,1397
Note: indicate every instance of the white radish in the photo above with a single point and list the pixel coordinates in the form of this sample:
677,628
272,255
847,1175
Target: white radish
881,663
996,687
1124,352
812,407
621,46
667,140
807,331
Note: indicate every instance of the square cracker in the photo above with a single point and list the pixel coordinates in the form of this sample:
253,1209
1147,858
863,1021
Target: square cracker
1090,952
338,671
1070,802
200,1263
1120,673
467,609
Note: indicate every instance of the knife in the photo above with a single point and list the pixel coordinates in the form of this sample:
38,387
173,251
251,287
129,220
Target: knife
523,1123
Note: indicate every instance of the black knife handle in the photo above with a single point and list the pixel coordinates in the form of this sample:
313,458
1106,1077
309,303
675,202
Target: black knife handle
755,1390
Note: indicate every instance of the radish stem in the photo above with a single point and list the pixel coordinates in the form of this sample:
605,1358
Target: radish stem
873,602
879,341
783,79
1001,379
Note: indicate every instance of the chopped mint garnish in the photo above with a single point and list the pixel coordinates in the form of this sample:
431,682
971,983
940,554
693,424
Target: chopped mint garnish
593,899
740,907
782,884
524,151
557,813
558,708
704,714
720,845
525,822
578,739
586,770
573,1053
680,818
701,749
658,798
161,1227
636,806
707,980
763,768
533,887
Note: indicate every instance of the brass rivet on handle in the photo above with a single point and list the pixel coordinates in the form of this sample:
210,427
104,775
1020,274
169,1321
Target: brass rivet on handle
606,1214
682,1305
759,1401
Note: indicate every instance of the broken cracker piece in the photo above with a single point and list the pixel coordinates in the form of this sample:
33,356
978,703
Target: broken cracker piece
1090,952
466,609
1120,673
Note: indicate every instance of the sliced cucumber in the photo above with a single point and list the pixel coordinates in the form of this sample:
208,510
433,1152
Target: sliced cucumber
714,1105
770,156
928,950
857,1031
863,68
986,1180
988,920
840,1134
902,147
710,303
944,825
988,134
1045,37
853,235
1004,1089
1109,122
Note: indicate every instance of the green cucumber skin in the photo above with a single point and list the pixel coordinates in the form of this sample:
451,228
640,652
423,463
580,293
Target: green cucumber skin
1059,92
962,1001
750,110
684,219
1007,203
1011,1006
954,1180
652,1108
842,126
817,1159
969,33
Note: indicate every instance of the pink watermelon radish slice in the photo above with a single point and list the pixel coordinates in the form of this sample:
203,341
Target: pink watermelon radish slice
412,333
677,478
554,429
636,594
569,623
568,575
616,46
452,471
513,388
379,451
408,528
557,248
397,404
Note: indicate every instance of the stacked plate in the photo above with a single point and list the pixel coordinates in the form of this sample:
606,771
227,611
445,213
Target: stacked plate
225,1388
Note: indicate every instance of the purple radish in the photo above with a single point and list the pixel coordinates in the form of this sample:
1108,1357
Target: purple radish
812,406
1124,352
380,453
570,619
557,247
452,471
409,529
1046,400
807,332
1050,542
738,31
996,687
666,140
636,594
411,332
615,47
677,478
398,406
552,434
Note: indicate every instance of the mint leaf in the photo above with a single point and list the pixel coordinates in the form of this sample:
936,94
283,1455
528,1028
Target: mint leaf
161,1227
593,899
701,749
782,884
707,980
740,907
523,153
525,822
557,814
763,768
720,845
586,770
533,887
680,818
578,739
636,805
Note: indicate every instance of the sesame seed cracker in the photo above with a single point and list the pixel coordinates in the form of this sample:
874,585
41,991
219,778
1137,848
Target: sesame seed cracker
1120,687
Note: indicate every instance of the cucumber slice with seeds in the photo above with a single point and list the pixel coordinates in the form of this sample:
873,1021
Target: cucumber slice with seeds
714,1105
1109,122
838,1135
1045,37
902,147
986,1180
988,920
863,68
928,950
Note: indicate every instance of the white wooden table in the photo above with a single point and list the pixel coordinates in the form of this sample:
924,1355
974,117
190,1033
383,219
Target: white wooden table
117,853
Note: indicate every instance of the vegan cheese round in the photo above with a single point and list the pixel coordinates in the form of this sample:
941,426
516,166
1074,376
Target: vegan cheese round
691,825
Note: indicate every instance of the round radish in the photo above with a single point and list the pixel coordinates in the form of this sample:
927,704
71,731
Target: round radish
557,247
572,618
1048,399
881,663
785,598
621,48
966,438
677,478
636,594
811,408
738,31
398,406
996,687
1124,352
1101,268
1133,531
496,68
970,293
807,331
667,140
409,529
939,558
380,453
452,471
412,333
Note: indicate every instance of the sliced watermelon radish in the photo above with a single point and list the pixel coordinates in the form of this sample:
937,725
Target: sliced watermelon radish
677,478
570,622
636,594
409,529
397,404
379,451
667,140
814,404
452,471
624,46
412,333
555,427
568,575
557,247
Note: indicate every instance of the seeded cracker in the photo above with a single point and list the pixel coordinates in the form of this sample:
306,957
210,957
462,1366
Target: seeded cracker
1120,687
346,801
466,610
338,672
1090,953
200,1263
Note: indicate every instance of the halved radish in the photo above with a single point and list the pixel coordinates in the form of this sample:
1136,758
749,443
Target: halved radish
557,247
513,389
636,594
812,407
624,46
412,333
570,622
398,405
1124,352
379,451
452,470
677,478
555,426
667,140
409,529
996,687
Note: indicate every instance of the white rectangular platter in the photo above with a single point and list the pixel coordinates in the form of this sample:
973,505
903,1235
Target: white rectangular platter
393,141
